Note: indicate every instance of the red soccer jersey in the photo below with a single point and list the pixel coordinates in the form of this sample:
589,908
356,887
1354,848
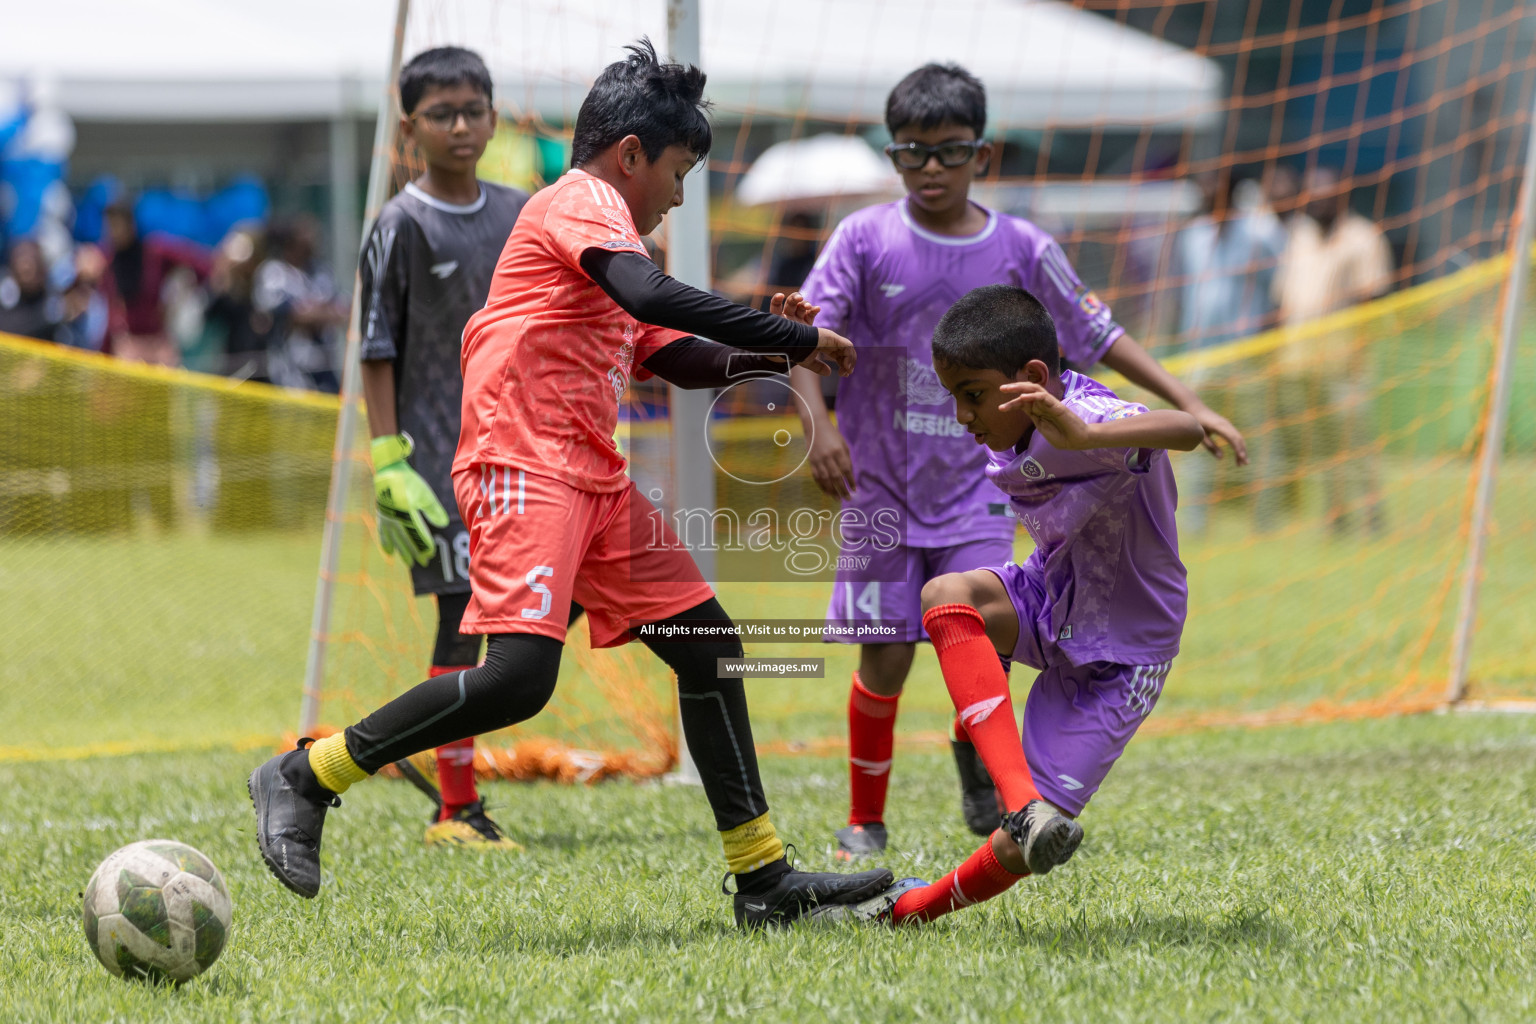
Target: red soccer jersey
547,360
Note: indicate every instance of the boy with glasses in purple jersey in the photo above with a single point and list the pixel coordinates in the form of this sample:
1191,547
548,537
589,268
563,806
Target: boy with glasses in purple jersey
896,457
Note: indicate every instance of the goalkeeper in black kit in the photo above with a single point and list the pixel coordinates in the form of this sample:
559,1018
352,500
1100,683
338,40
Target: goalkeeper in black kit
426,270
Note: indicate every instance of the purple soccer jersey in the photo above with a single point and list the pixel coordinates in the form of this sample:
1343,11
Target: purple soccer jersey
884,282
1104,582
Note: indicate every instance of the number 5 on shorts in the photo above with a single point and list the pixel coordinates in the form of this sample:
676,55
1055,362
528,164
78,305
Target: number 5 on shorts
545,597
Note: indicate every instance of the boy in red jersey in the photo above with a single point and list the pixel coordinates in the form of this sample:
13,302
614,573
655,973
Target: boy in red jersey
575,307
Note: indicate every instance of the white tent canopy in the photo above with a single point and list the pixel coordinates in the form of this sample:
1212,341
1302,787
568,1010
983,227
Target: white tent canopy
1044,63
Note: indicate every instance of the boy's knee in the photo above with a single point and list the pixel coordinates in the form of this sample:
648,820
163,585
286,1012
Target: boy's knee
951,588
697,664
519,674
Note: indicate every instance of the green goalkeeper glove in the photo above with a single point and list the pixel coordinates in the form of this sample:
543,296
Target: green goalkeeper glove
403,500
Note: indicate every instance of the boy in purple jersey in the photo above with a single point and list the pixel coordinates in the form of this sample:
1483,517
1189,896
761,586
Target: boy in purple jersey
896,456
1098,607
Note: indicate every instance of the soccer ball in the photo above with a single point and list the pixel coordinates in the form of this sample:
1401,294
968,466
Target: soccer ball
157,911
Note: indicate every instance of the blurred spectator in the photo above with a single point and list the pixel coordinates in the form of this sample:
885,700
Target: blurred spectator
235,335
138,273
1223,267
1334,257
306,311
87,310
28,306
1322,396
1280,191
1224,264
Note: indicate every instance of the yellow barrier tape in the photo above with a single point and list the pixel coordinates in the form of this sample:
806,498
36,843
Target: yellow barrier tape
91,751
170,374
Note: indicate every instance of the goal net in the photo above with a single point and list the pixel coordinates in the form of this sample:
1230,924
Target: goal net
159,531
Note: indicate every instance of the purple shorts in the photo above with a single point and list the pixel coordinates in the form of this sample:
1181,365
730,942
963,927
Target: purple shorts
880,600
1077,718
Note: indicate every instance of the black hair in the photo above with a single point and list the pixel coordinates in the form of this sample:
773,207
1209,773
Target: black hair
660,104
937,94
996,327
442,66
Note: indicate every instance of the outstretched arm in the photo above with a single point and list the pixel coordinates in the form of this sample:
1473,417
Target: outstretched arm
650,296
1064,429
692,362
1127,358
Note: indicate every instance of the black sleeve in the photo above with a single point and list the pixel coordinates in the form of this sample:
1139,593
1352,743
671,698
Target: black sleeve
382,274
651,297
700,363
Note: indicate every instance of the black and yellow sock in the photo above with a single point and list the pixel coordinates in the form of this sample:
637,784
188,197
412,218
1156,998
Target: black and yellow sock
751,846
332,765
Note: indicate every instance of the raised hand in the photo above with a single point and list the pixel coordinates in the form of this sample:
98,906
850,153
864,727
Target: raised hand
794,307
1062,427
1216,426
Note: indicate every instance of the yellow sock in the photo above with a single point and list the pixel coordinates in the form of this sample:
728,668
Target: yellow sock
751,846
332,765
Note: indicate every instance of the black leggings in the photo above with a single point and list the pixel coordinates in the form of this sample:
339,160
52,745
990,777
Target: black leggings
453,649
517,680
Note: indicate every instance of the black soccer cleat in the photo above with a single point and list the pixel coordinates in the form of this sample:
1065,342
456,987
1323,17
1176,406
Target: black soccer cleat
875,910
856,842
1045,836
797,893
978,797
289,820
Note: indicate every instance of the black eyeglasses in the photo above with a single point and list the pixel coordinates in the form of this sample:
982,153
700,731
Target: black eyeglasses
476,115
913,156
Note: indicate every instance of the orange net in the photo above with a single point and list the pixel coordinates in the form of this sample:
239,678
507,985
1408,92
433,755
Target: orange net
1325,576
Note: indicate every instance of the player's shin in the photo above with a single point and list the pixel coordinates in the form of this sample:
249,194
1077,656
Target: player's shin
980,878
871,737
979,688
455,764
513,685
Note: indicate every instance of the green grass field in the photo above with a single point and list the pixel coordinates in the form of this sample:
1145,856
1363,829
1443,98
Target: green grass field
1370,870
1376,871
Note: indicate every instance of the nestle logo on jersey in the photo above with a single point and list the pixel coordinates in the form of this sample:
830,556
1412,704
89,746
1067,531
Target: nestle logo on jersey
928,424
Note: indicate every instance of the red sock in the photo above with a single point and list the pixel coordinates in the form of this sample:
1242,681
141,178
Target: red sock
958,731
455,764
979,688
871,734
980,878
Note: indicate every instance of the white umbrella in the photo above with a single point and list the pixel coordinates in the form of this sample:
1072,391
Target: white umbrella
821,167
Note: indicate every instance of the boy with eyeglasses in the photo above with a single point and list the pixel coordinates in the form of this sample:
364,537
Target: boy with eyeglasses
425,271
896,455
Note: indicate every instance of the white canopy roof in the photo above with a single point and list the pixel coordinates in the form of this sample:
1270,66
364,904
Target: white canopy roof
1044,63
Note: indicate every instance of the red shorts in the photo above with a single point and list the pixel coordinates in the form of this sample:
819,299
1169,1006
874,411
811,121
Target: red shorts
536,544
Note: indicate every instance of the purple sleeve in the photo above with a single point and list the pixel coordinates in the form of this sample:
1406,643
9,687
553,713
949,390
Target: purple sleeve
833,283
1100,408
1084,327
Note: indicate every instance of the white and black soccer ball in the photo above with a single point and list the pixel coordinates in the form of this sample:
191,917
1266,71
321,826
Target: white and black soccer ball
157,910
